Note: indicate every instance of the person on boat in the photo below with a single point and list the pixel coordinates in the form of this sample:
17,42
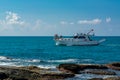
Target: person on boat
61,36
56,36
81,34
76,35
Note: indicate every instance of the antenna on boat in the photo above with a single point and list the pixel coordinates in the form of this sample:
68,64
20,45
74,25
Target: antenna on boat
90,31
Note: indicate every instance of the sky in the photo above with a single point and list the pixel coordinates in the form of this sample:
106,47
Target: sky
63,17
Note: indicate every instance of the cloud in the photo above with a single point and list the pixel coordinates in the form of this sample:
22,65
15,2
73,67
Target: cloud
108,20
66,23
72,23
13,24
37,25
63,22
11,21
13,18
94,21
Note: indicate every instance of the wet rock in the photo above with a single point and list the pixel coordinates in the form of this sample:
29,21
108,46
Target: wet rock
30,67
92,66
57,76
69,68
33,68
115,66
96,79
74,68
19,79
9,58
3,76
16,73
112,78
99,72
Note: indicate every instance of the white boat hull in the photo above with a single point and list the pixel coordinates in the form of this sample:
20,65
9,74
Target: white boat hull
75,42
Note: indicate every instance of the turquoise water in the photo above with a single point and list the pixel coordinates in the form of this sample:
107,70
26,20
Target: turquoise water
42,52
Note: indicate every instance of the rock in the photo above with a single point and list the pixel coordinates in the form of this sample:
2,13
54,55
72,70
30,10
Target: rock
69,68
19,79
112,78
30,67
92,66
115,66
99,72
96,79
3,75
57,76
74,68
16,73
33,68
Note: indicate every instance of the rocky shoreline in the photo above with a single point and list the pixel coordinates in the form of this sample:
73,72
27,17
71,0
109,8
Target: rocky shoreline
64,71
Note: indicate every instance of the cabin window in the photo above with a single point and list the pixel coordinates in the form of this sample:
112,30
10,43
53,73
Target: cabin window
82,37
75,36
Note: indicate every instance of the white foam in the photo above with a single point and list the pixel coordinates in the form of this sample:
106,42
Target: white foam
87,60
65,60
71,60
47,66
5,58
7,64
88,76
34,60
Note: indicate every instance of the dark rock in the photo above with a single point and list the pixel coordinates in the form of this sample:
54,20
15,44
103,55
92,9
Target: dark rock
99,72
115,66
112,78
92,66
30,67
33,68
74,68
69,68
16,73
96,79
57,76
19,79
3,75
9,58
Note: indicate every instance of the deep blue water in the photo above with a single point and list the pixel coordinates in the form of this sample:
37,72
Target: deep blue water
42,52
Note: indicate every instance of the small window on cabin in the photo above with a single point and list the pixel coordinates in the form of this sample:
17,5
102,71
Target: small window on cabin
82,37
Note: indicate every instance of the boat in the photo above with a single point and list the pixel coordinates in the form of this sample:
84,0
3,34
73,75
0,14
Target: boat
77,40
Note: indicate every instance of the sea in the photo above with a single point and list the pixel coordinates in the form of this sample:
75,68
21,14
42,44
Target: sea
41,51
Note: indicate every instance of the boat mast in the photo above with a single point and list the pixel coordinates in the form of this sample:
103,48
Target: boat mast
90,31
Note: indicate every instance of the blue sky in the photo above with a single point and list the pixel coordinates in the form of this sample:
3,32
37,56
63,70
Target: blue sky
65,17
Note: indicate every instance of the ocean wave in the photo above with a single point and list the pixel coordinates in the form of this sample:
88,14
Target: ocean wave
71,61
7,64
47,66
5,58
87,60
54,61
64,60
88,76
34,60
